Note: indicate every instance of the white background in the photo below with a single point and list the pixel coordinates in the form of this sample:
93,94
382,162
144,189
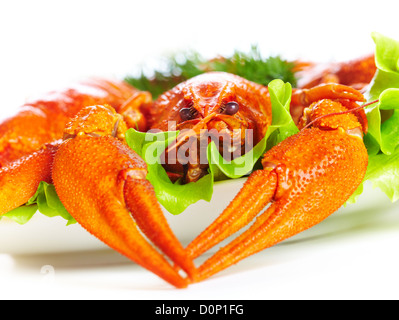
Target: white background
47,44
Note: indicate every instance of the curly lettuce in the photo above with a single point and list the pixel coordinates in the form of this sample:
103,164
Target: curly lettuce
382,139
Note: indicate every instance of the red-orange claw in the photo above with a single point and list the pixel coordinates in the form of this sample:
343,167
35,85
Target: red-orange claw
305,178
92,175
141,200
257,191
19,180
317,172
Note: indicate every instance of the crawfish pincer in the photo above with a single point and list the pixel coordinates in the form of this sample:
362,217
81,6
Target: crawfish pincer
304,179
102,184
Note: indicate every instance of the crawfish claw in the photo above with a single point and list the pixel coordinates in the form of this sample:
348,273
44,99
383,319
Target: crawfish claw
305,178
19,179
101,183
99,191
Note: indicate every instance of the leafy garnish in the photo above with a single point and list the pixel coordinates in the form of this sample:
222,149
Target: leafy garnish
281,128
178,68
46,201
383,117
382,140
176,197
251,66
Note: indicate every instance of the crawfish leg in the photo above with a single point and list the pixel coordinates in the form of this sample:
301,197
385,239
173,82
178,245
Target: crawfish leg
257,192
303,98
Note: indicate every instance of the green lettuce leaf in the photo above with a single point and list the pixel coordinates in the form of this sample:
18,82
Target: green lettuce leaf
46,201
175,197
383,116
282,123
383,172
282,127
382,140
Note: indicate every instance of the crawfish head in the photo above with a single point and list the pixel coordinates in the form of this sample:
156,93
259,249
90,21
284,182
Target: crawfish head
216,106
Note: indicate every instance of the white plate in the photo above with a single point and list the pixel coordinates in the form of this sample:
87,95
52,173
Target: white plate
48,235
51,235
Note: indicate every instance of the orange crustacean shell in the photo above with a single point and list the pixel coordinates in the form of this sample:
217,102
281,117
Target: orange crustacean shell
75,139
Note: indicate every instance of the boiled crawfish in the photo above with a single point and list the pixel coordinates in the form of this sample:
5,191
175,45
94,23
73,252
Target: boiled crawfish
101,182
97,177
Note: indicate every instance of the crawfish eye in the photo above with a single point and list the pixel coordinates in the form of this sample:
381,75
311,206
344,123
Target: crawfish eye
187,113
230,108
